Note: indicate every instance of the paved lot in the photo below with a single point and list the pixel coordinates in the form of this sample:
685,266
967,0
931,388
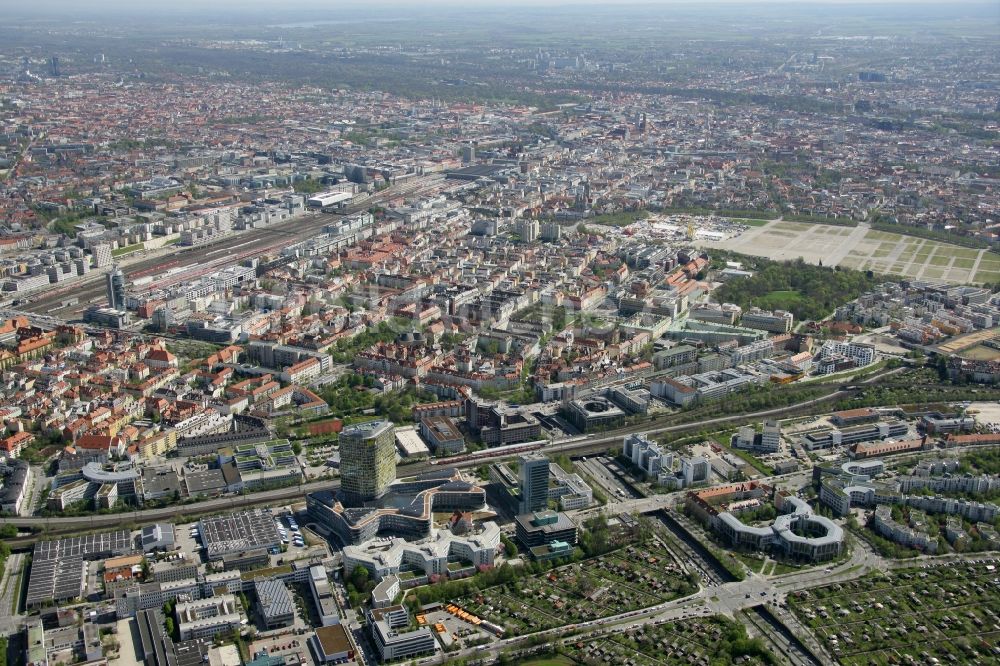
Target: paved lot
128,638
605,471
10,587
284,645
863,248
466,632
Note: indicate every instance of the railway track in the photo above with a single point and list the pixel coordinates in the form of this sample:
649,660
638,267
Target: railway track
300,227
779,636
75,524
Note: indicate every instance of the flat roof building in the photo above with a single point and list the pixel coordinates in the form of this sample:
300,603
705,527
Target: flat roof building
410,444
392,640
333,644
155,645
326,605
58,567
385,592
796,533
238,533
544,528
159,536
274,603
407,509
442,435
208,617
428,557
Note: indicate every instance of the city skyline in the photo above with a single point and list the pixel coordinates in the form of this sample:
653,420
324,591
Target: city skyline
536,333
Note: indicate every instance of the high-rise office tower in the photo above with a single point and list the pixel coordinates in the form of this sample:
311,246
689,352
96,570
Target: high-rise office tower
367,461
468,152
115,288
534,476
54,65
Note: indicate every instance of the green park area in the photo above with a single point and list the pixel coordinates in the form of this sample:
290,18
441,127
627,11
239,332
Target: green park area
806,290
781,299
710,640
627,579
939,614
128,249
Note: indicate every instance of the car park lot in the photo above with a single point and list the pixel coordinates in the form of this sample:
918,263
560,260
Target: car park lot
925,614
461,631
633,577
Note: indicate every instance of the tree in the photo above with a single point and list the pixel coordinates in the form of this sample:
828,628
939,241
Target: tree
307,186
594,539
359,577
564,462
171,628
509,546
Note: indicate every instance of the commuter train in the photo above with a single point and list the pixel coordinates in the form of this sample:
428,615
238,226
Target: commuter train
508,450
495,452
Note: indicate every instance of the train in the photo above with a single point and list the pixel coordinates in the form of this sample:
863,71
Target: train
159,268
495,452
508,450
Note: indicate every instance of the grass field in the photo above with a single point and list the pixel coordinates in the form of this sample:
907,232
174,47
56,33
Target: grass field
980,353
128,249
862,248
779,300
559,660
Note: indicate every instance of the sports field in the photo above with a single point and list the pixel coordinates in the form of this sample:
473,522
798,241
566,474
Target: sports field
865,249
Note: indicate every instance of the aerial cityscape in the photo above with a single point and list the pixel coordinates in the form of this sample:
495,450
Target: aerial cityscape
554,334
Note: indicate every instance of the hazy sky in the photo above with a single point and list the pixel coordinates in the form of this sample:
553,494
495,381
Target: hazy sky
253,10
335,5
